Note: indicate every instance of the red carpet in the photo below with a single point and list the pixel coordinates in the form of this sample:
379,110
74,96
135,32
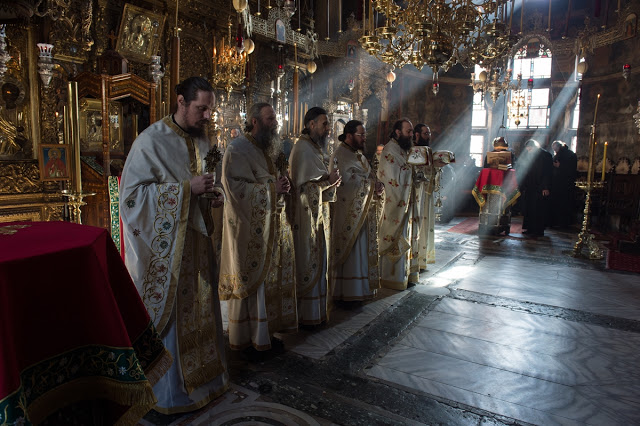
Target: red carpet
470,226
623,261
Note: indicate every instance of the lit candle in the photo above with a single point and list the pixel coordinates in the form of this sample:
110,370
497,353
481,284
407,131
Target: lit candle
215,57
604,161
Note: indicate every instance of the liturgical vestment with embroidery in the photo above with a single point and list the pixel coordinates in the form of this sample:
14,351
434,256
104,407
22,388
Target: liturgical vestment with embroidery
394,235
257,269
354,240
312,228
169,254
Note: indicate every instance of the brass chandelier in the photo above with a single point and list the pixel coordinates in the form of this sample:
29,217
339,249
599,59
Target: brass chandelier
438,33
229,63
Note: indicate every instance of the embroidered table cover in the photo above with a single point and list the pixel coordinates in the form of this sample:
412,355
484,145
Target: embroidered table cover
72,325
495,181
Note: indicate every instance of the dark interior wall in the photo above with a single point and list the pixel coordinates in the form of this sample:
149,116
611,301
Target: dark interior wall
618,100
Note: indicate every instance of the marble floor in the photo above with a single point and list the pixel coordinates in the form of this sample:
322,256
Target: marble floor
501,330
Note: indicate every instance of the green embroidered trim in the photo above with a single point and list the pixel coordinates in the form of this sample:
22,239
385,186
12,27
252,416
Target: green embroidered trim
124,365
114,204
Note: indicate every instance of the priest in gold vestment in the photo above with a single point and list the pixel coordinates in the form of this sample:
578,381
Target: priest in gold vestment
398,223
168,249
354,273
426,241
314,189
257,267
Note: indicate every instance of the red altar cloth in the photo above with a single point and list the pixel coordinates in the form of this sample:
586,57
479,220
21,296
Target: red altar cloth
496,181
72,324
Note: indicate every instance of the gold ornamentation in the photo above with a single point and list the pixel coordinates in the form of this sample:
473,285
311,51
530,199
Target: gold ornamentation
194,56
11,229
585,237
439,33
139,33
212,159
229,64
20,177
91,123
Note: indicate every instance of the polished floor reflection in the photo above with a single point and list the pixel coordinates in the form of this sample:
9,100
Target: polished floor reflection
499,331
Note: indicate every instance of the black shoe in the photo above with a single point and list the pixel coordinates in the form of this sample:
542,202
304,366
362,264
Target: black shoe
277,345
251,354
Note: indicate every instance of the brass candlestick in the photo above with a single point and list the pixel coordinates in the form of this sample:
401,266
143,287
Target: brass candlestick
585,237
76,202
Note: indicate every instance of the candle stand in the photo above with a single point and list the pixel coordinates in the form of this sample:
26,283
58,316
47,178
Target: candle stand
76,202
585,237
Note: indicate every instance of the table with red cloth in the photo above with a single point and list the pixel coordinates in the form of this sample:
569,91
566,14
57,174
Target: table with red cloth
72,326
496,181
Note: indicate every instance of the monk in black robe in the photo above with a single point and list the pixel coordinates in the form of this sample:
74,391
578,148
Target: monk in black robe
536,169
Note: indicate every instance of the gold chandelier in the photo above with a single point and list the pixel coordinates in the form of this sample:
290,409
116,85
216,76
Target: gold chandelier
229,62
438,33
520,101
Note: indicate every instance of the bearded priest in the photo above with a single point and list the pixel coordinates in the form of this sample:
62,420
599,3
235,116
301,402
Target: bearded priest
314,188
257,271
354,229
165,204
400,219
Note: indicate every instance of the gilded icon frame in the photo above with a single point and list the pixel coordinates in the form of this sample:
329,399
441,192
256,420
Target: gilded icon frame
139,33
90,130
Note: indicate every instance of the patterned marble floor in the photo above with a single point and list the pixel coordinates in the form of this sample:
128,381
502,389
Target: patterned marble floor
498,331
530,367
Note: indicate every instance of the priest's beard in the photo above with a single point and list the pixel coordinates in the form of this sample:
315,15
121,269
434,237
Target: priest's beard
321,140
196,132
404,142
269,141
422,142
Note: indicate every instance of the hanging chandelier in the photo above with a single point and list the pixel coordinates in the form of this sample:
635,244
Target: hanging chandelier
492,82
230,61
518,104
438,33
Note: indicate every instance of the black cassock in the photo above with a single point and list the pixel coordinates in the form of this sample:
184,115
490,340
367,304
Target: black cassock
563,188
535,170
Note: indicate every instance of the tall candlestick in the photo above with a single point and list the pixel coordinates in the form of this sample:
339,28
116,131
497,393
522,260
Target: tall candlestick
592,143
604,161
74,136
549,26
328,31
521,17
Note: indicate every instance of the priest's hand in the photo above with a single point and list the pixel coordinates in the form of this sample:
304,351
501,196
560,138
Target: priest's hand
379,188
283,186
335,178
202,184
216,199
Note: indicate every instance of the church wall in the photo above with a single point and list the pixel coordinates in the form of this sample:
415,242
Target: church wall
618,100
